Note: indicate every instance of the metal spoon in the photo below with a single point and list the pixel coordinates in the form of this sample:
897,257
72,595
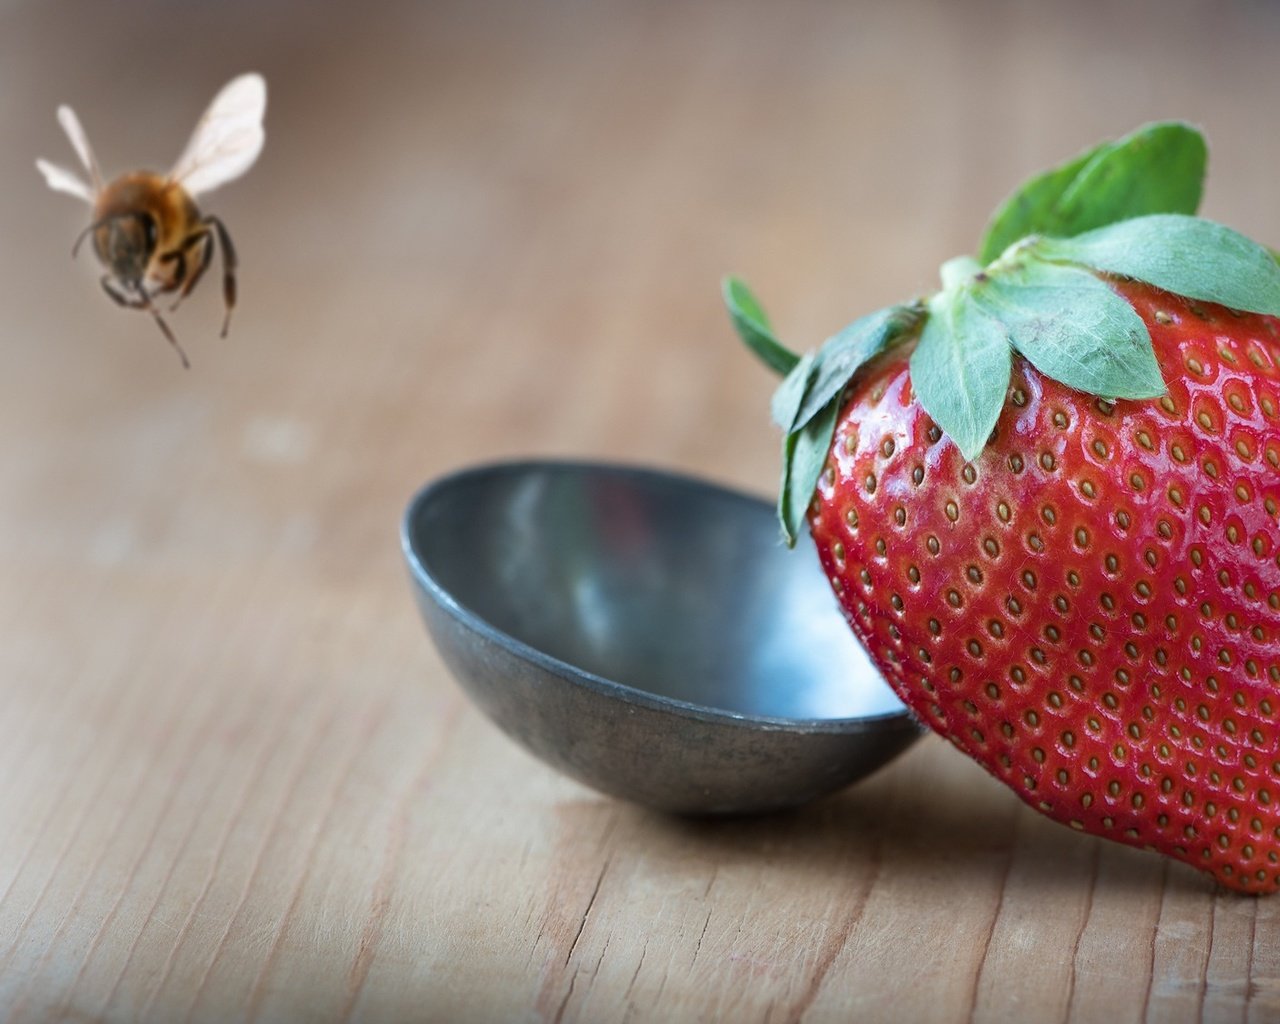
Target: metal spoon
648,635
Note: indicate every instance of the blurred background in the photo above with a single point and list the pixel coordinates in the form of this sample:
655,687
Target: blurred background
480,213
233,776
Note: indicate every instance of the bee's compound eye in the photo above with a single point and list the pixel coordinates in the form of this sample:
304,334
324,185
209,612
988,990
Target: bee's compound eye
149,226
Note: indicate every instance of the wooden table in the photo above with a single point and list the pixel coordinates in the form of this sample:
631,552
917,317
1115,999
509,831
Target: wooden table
237,781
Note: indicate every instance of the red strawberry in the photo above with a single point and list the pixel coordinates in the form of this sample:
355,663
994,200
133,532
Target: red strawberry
1088,603
1089,608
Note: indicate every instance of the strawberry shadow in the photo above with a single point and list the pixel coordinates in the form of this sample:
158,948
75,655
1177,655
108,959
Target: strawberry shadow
934,818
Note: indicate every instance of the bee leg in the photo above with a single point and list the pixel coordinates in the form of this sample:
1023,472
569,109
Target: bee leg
203,239
229,264
179,273
164,329
139,299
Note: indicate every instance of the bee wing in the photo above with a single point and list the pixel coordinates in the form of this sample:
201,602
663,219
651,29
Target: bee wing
80,143
227,139
62,180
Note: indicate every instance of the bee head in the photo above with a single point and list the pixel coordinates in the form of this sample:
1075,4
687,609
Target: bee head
125,243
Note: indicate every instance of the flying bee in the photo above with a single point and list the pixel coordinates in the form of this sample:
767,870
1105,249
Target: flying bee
147,231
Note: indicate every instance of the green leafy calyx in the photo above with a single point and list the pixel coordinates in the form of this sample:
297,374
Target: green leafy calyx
1157,169
1038,289
754,328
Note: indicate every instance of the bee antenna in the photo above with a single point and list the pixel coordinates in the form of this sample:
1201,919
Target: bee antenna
84,234
94,227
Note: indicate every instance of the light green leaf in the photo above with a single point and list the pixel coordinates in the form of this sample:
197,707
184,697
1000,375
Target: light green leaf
1185,255
1073,328
753,327
845,352
785,404
1030,210
960,369
804,453
1159,168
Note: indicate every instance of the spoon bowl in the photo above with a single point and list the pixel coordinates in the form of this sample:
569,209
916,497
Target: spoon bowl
648,635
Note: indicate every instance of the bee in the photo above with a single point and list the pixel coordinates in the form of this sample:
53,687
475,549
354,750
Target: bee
147,231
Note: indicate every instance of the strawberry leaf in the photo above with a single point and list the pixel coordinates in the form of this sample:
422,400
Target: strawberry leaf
844,353
753,327
1185,255
960,369
1073,328
1159,168
785,405
807,403
804,453
1030,210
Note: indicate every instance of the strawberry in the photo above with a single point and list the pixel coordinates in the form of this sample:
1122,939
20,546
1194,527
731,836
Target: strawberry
1048,501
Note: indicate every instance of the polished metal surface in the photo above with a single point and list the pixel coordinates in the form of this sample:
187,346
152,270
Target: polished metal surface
649,635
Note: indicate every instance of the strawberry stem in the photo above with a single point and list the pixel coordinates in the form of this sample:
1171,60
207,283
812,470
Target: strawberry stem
958,270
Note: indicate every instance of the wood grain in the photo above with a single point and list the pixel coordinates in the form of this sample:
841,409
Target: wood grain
236,783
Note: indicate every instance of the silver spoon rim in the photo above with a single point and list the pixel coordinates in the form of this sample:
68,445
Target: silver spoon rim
574,674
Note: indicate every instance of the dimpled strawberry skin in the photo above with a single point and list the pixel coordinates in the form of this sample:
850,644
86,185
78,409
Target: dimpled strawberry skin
1091,608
